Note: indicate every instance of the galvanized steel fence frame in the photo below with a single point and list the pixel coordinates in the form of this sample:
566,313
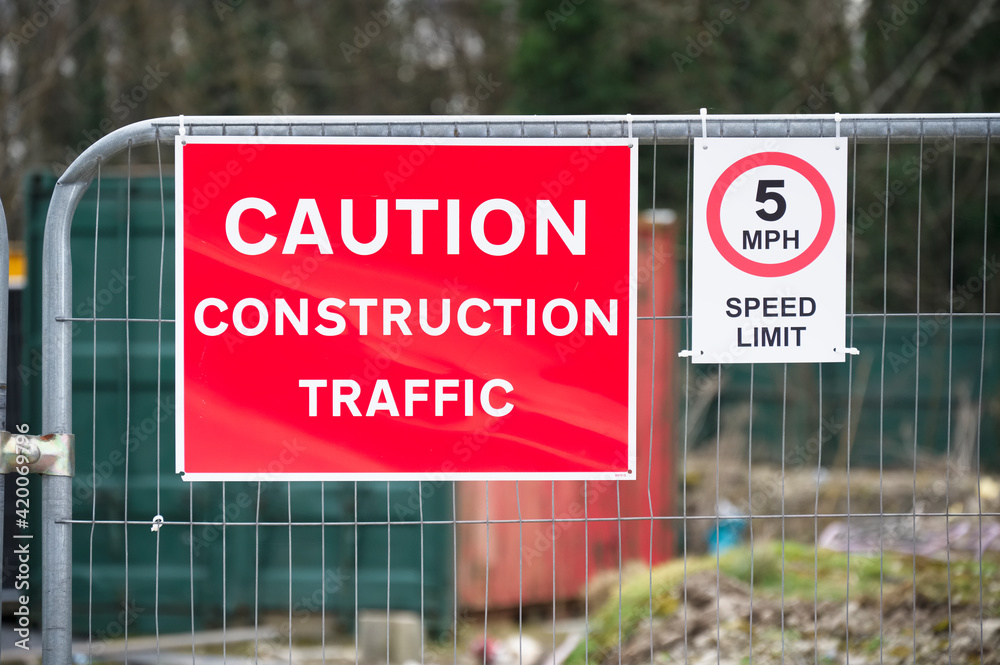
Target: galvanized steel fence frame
58,316
4,324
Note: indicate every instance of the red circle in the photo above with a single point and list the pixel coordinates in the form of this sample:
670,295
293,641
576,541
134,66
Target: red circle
738,168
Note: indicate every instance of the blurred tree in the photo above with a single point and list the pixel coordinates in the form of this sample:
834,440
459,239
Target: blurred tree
73,72
572,58
789,56
927,58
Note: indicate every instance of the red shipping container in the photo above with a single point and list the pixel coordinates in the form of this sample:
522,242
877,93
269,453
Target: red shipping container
536,559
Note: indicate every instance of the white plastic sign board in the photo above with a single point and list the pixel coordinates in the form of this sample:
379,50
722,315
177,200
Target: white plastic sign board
769,252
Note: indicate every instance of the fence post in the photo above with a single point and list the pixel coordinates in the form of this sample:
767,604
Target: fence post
57,507
4,322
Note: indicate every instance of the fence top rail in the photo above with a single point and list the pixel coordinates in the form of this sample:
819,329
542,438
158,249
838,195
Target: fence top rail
647,129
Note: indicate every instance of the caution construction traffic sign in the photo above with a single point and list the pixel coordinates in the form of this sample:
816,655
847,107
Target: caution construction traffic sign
402,309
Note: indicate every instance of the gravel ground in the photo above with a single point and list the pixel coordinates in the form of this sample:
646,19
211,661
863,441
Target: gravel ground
714,627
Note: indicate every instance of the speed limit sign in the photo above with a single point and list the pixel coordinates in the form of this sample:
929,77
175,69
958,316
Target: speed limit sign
769,252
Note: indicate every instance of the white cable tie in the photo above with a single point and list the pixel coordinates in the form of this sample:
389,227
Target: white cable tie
687,353
836,119
157,523
704,123
182,126
852,351
628,117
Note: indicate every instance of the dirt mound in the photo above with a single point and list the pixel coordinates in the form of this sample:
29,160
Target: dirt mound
719,622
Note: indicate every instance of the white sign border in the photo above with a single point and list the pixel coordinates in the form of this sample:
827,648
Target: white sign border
179,376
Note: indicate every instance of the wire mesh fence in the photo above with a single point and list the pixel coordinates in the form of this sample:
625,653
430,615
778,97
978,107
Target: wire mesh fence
812,513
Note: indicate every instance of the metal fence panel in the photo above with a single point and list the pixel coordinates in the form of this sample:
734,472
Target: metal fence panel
887,459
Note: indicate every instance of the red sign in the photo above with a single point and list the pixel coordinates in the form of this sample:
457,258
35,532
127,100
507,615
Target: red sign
404,309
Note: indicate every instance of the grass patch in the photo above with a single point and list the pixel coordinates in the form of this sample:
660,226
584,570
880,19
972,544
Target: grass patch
802,573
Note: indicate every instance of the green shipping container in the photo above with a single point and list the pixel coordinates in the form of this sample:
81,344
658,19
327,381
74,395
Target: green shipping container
192,575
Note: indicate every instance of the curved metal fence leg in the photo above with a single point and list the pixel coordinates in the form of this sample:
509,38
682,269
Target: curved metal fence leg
57,416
